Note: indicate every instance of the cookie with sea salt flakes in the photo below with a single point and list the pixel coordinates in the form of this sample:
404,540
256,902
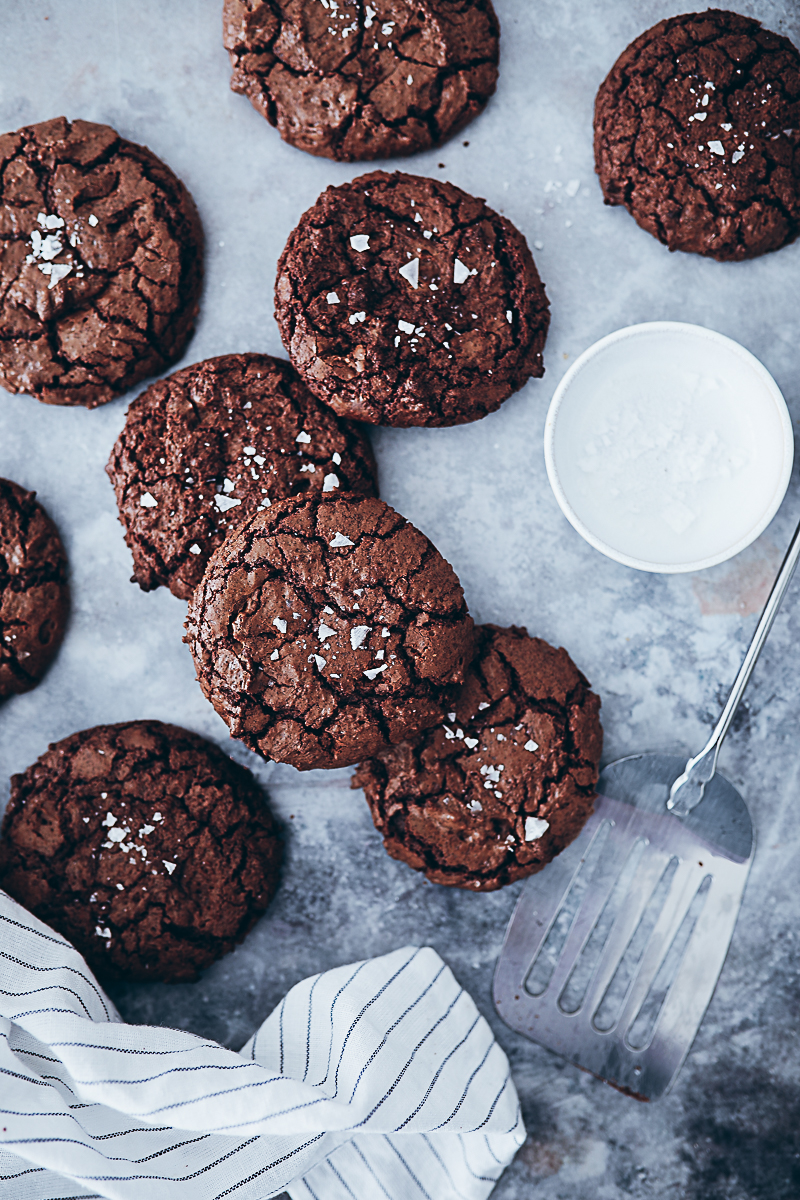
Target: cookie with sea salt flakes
215,442
349,81
101,253
143,844
405,301
34,597
325,629
697,134
506,782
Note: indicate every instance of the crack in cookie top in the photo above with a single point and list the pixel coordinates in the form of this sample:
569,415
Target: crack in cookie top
102,263
350,80
143,844
697,134
506,781
406,301
215,442
327,629
34,597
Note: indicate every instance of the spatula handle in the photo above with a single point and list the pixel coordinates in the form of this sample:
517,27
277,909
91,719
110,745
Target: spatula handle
687,790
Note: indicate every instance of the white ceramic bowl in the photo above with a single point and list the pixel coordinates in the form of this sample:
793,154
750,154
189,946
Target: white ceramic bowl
669,447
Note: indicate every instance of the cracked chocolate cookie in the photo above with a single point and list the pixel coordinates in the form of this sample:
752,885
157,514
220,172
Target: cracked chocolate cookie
100,263
348,81
144,845
697,134
405,301
34,598
214,443
506,782
327,629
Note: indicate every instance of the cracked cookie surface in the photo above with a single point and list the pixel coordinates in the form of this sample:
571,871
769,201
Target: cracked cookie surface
144,845
506,782
350,81
697,134
327,629
100,263
405,301
215,442
34,597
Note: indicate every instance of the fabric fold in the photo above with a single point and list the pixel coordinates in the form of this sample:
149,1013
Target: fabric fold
374,1079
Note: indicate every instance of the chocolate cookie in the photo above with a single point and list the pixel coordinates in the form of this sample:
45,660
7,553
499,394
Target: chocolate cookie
211,445
506,782
100,263
144,845
34,598
326,629
404,301
697,134
347,81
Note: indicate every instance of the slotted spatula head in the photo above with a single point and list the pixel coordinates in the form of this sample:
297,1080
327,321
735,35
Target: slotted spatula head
614,949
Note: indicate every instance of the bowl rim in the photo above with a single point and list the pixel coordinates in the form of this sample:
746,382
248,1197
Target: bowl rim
674,329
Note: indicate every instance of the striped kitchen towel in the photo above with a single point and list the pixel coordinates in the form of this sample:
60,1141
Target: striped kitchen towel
379,1080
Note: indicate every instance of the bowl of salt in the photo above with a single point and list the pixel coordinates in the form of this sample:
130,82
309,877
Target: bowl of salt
668,446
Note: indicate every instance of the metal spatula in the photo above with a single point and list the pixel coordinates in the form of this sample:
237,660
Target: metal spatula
615,948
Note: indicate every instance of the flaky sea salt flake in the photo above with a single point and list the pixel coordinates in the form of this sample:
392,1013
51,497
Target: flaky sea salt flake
357,635
339,539
411,272
360,242
148,501
535,828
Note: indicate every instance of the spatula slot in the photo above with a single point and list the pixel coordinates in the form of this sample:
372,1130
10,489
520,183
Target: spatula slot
572,996
608,1011
640,1033
544,963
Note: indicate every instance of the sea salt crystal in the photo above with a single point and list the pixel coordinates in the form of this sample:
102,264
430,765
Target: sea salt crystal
332,298
531,745
279,624
373,671
92,220
339,539
535,828
360,242
224,503
460,272
357,635
148,501
303,437
411,272
194,548
716,148
330,482
169,865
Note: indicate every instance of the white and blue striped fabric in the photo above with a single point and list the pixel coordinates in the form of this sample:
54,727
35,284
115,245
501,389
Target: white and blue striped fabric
375,1081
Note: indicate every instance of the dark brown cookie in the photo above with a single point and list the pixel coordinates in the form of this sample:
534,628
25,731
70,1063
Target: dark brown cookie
212,444
348,81
697,134
507,782
34,598
404,301
100,263
144,845
326,629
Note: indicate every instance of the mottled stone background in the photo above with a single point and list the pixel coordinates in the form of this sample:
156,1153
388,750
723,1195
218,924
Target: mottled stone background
660,650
